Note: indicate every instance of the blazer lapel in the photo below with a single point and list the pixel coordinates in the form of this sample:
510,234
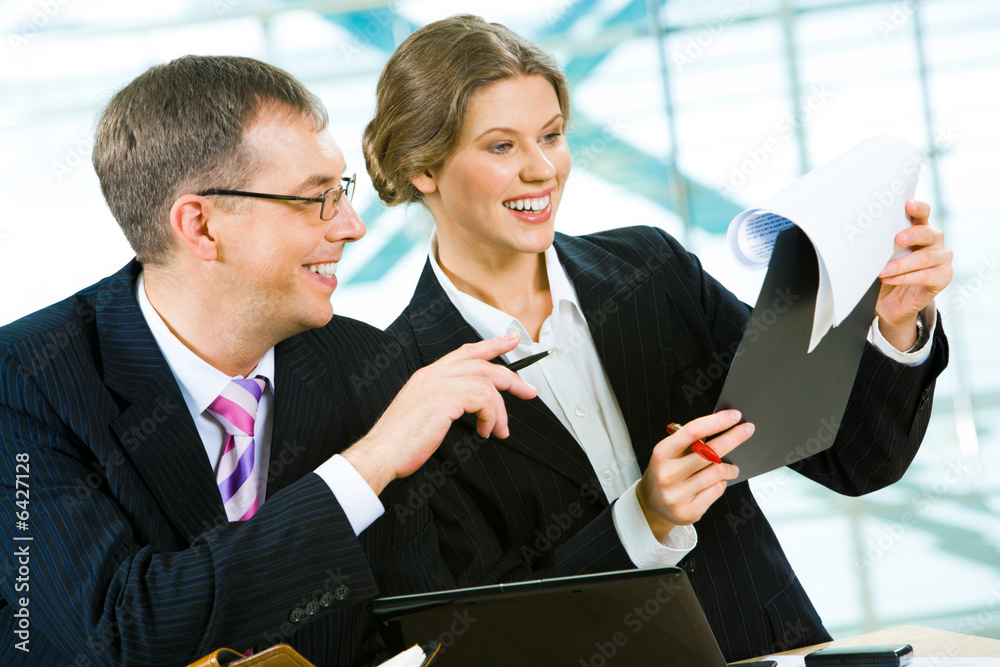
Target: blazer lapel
535,432
155,427
307,423
621,308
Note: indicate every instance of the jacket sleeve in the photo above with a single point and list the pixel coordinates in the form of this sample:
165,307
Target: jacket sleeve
883,425
887,412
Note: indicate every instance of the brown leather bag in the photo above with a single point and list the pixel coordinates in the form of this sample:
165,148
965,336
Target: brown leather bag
281,655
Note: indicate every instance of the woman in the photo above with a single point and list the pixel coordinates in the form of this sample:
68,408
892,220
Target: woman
469,123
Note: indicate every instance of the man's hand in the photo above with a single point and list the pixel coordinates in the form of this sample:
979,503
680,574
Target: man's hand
418,418
679,485
910,283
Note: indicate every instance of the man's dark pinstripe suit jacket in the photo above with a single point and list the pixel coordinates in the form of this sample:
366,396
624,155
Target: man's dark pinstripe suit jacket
132,559
665,332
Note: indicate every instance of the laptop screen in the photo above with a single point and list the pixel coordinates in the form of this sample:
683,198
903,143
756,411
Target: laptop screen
633,617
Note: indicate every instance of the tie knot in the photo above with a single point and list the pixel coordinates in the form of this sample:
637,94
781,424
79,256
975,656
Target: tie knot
236,406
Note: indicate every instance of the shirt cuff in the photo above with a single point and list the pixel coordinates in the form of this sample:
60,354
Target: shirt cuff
358,500
643,549
914,358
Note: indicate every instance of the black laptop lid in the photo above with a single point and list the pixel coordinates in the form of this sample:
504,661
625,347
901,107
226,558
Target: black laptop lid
634,617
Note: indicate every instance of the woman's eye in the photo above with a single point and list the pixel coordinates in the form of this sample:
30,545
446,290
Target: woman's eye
501,148
551,136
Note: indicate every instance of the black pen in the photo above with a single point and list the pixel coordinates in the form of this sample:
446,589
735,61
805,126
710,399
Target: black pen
521,364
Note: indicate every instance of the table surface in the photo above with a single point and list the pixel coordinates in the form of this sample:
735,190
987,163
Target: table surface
926,642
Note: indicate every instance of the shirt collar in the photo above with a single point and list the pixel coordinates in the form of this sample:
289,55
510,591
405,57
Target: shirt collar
200,382
489,321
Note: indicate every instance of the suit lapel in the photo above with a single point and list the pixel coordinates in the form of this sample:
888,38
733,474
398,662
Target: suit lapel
621,308
155,427
306,426
536,433
159,436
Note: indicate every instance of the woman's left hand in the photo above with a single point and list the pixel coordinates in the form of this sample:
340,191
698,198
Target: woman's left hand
910,283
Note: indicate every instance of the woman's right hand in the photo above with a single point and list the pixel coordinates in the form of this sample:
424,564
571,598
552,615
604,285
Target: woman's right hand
679,485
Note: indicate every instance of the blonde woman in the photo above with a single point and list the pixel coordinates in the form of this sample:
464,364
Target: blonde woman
471,123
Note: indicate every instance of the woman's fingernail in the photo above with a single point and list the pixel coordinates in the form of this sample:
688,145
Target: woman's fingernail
734,415
513,335
749,428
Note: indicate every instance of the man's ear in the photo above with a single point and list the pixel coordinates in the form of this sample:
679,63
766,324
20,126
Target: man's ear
425,182
189,222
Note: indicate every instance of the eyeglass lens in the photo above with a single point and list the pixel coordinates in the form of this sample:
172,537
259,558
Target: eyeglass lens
331,200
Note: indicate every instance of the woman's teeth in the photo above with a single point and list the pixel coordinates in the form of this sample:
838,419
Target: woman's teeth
528,204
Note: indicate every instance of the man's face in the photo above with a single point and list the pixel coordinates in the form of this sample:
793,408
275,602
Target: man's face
278,258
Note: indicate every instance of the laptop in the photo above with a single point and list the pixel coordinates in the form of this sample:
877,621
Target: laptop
632,617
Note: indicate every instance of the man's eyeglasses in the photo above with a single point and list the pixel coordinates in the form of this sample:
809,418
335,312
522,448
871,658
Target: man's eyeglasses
330,199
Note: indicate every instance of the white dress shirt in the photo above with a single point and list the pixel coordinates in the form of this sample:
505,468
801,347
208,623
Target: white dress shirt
201,383
573,385
914,358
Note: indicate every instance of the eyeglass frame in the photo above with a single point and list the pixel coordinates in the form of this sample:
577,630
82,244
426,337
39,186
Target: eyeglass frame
346,186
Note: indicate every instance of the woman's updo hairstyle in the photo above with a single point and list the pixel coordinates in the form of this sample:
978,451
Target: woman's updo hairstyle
424,91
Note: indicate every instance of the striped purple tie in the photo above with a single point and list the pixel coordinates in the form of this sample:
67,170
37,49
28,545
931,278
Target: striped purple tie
236,409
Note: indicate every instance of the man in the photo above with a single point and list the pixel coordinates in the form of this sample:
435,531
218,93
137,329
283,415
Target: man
160,426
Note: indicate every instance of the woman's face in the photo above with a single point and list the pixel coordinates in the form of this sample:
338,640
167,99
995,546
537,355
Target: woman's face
499,191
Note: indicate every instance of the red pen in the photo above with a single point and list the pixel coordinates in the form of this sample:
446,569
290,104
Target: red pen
698,447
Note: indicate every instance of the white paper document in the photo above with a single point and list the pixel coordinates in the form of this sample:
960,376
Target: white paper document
412,657
851,208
